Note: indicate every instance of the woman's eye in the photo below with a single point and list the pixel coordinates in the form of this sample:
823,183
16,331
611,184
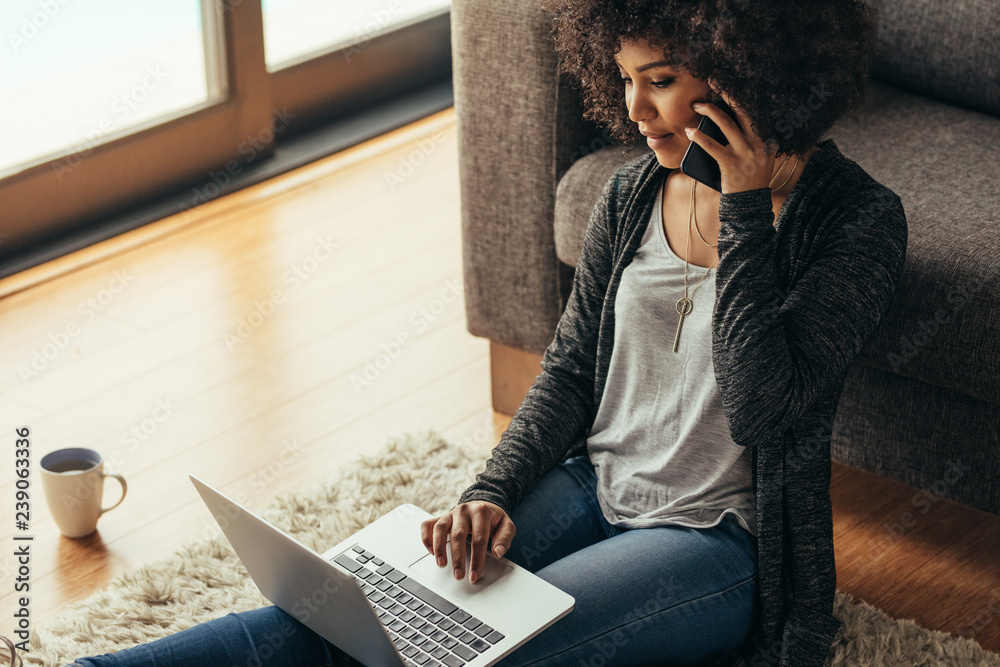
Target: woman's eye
658,84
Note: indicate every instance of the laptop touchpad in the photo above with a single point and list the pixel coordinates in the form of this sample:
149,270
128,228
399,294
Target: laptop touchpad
444,577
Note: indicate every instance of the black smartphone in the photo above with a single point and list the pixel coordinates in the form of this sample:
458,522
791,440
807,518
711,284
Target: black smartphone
697,163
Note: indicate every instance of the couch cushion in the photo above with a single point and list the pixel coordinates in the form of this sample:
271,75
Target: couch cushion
948,50
944,324
577,193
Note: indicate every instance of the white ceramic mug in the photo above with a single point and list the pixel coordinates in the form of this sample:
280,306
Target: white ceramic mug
73,480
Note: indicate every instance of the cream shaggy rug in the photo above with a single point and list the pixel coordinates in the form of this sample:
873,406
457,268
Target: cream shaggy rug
204,580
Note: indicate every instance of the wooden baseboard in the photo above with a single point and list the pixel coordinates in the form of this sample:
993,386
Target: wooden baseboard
512,372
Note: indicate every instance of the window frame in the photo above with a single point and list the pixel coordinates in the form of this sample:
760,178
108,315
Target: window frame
68,193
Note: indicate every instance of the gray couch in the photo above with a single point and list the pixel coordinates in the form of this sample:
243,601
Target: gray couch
921,404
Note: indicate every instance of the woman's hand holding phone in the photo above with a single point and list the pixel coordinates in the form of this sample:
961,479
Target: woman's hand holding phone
747,162
480,518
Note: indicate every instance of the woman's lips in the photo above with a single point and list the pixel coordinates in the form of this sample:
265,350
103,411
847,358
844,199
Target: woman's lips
659,142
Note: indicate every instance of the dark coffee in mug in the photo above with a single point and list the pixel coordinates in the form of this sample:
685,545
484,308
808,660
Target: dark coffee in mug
71,465
73,481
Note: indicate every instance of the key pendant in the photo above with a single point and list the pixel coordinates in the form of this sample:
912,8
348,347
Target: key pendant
684,306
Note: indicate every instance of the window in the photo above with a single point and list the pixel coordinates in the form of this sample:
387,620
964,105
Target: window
107,104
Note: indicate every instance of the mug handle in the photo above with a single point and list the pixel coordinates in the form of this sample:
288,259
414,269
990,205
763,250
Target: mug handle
121,480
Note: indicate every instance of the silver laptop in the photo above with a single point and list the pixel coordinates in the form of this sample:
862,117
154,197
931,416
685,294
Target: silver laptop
380,596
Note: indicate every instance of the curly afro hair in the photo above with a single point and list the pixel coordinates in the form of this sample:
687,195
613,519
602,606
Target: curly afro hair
794,67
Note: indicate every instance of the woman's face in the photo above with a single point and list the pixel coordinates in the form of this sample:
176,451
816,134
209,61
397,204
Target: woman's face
659,99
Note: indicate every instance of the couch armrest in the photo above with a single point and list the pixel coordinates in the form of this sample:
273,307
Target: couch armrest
519,128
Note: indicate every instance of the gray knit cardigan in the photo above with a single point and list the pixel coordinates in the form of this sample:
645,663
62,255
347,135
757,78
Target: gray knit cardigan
794,305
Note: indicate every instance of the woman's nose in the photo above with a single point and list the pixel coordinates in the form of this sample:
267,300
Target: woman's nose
639,107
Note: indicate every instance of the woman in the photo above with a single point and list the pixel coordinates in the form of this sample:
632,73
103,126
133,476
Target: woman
670,466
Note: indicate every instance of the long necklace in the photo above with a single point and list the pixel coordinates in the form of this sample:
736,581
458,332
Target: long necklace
684,304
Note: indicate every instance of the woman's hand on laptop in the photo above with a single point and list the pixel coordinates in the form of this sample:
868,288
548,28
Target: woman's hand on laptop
480,518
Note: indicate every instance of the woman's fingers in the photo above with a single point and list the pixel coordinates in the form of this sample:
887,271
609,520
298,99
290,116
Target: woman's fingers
711,146
503,536
442,531
427,534
487,521
751,137
729,127
482,527
483,521
746,163
460,528
742,118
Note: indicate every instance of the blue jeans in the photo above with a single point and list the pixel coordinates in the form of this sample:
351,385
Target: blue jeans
669,595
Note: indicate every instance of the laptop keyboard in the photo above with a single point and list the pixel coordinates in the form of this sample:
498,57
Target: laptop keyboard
428,630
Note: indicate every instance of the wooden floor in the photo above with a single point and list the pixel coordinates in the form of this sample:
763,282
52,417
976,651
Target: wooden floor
264,339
